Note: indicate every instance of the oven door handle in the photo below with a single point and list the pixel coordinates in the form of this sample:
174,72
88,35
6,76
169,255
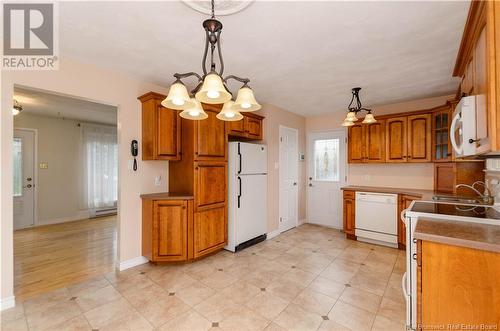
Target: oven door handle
403,285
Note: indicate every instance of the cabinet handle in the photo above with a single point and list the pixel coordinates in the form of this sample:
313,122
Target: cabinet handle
183,207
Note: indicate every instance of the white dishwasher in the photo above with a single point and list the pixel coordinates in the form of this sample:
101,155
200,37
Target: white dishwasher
376,218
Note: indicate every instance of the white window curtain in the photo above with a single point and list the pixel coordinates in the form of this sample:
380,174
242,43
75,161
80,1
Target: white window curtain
99,150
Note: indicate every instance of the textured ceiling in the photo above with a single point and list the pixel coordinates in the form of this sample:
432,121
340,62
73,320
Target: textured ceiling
54,105
301,56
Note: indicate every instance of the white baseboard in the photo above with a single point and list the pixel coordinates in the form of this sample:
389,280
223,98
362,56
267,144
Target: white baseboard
7,303
81,215
272,234
127,264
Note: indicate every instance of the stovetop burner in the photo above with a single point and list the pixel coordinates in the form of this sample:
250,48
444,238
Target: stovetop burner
456,210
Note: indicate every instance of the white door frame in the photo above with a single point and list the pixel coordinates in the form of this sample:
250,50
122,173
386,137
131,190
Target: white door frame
281,127
309,155
35,171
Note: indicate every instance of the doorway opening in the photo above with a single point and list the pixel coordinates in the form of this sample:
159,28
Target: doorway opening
288,177
65,190
326,175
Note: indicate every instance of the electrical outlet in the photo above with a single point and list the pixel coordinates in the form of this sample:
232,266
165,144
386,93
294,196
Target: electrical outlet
157,180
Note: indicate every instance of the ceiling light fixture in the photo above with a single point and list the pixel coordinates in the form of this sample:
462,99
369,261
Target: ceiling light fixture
354,109
211,87
17,108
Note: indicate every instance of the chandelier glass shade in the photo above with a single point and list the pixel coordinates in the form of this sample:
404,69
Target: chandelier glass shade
356,107
211,87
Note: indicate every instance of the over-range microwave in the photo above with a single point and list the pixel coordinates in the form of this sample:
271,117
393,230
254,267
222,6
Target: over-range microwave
467,120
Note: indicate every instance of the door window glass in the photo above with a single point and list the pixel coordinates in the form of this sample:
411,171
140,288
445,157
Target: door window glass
18,167
326,159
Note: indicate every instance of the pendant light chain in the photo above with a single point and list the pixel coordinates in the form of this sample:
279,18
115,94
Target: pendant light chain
213,9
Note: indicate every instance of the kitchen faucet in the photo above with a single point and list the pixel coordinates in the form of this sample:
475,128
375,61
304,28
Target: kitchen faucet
486,196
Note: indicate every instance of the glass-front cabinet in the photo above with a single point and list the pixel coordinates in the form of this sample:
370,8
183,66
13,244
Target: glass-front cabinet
441,146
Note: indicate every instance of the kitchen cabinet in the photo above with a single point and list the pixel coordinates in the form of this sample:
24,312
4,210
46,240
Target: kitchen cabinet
448,175
210,184
367,143
478,66
210,141
349,214
419,138
396,139
249,128
161,129
210,231
166,229
457,286
441,145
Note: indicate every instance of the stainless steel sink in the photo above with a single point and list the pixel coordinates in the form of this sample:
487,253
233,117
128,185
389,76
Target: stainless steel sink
445,198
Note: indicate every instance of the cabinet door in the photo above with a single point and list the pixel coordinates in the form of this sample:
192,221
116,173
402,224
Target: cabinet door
170,230
444,177
375,142
356,143
419,138
396,139
210,230
441,144
168,134
210,180
211,140
236,128
349,216
253,127
480,91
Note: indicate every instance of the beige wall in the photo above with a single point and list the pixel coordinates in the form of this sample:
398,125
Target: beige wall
419,176
59,186
274,118
92,83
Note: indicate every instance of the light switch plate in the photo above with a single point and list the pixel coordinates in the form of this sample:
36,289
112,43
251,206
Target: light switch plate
157,180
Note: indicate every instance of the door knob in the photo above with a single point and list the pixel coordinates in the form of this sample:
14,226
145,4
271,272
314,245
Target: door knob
294,183
28,179
28,186
310,185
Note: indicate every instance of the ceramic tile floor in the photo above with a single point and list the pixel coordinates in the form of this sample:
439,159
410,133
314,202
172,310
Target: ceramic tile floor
309,278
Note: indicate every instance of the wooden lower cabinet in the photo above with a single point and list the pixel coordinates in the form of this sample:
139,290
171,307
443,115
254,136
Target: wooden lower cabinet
172,231
349,214
457,286
210,231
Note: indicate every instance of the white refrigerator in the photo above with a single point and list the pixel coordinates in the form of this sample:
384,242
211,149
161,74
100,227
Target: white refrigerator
247,201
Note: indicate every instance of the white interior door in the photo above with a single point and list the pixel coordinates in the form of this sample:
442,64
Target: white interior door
288,173
24,180
326,175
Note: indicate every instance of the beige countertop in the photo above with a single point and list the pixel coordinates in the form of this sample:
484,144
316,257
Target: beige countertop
422,194
166,196
458,233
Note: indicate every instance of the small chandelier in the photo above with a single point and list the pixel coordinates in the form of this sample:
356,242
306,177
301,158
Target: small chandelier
354,109
211,86
16,108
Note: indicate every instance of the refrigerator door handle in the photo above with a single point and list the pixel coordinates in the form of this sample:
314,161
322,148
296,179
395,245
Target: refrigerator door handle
239,158
239,191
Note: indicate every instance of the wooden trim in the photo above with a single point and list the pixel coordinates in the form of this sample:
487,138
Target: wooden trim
151,95
473,26
493,72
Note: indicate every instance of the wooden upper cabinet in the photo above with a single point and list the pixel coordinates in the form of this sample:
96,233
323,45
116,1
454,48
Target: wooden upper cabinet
161,129
356,144
419,138
250,127
441,144
171,226
210,140
375,142
396,139
478,65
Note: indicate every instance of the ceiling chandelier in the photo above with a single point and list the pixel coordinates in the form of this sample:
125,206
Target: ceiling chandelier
16,108
356,108
211,86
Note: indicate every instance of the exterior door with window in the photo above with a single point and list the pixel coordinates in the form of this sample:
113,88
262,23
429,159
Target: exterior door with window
24,181
327,174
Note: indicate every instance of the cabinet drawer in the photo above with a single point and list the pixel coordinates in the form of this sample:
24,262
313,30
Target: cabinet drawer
210,184
210,230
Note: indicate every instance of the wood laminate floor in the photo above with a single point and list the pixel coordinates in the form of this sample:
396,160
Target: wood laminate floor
54,256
